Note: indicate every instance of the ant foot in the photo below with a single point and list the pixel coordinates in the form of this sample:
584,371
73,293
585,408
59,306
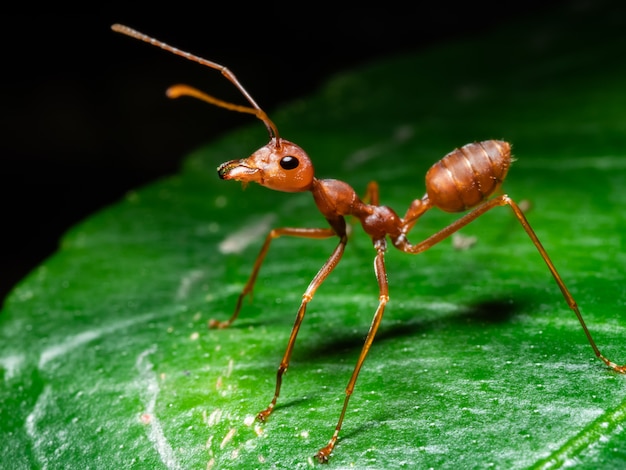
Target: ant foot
323,454
263,415
612,365
218,325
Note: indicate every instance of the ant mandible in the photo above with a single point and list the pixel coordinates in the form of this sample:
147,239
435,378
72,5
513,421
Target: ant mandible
464,179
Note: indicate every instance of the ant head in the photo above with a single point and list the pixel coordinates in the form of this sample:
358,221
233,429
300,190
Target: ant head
280,165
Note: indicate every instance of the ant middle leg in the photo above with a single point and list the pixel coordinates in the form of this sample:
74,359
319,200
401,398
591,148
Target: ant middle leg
381,275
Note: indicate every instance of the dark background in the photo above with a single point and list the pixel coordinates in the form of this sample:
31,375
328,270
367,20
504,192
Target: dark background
84,116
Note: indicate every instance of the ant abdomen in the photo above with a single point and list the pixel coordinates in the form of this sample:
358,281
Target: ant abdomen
468,175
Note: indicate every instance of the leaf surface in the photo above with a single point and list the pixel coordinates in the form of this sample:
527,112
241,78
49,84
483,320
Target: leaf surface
106,360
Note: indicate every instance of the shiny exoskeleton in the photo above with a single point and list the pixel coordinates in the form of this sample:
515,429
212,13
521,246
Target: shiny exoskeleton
465,179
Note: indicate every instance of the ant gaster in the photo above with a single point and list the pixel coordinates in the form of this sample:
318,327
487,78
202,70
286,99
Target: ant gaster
464,179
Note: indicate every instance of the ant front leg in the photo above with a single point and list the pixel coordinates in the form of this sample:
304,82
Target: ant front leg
321,275
317,233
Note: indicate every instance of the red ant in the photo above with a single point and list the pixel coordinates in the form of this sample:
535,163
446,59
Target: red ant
464,179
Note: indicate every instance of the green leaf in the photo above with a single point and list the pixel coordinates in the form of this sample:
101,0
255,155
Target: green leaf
106,360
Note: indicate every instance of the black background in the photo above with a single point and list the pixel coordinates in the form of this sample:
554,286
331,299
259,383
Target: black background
84,116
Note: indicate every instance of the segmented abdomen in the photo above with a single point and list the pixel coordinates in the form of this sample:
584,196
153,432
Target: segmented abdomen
468,175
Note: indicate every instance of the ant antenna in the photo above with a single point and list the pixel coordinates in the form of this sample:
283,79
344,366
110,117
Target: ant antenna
184,90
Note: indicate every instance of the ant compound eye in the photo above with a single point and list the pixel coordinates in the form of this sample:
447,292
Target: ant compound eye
289,162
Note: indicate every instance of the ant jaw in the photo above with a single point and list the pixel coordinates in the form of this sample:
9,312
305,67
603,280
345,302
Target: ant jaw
238,170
